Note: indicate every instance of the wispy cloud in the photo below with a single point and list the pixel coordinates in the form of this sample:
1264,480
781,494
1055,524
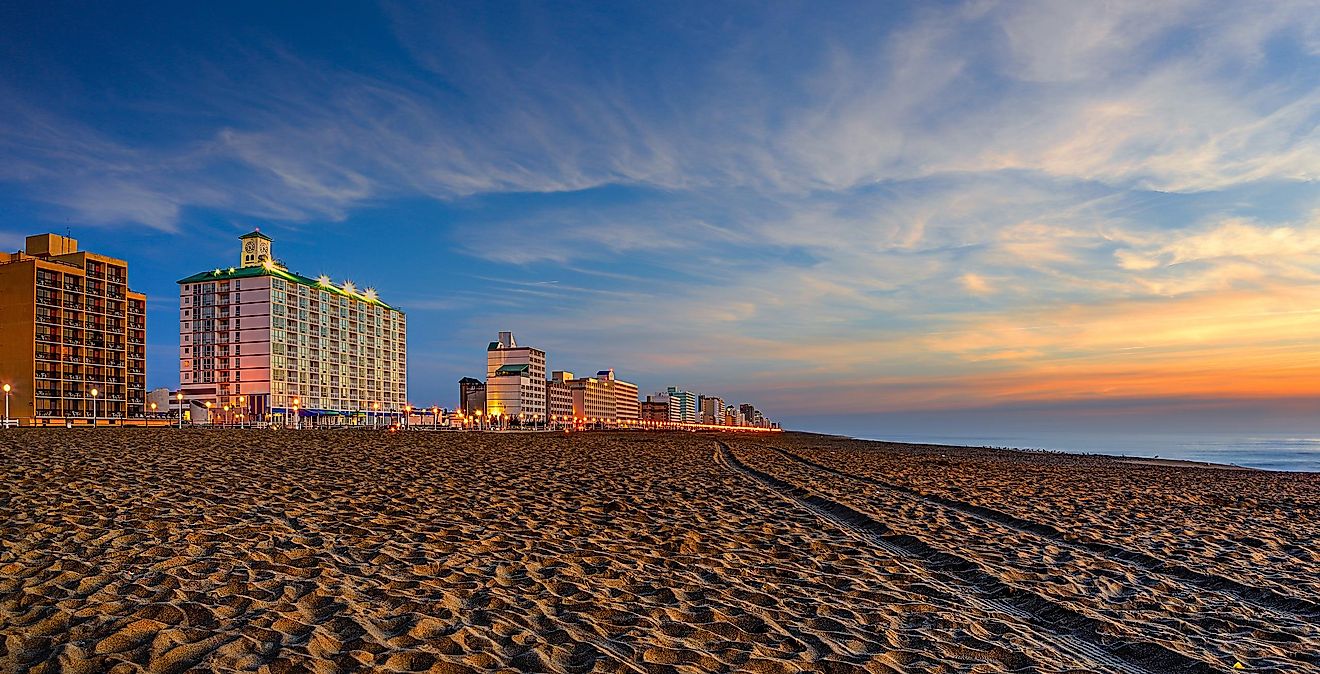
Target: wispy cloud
923,203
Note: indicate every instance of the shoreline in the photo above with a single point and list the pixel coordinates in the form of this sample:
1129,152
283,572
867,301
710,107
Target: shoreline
1126,458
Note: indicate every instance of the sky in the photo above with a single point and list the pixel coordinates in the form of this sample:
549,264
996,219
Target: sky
860,216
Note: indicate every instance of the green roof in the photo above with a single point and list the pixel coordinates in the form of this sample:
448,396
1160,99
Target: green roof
513,369
256,234
278,272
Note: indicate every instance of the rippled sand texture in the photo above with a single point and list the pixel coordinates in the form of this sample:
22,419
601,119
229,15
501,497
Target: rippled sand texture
173,551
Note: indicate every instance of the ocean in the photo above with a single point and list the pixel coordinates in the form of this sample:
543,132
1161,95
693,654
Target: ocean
1282,452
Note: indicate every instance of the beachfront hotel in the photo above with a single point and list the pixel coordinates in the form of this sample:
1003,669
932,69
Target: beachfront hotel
515,381
72,335
267,343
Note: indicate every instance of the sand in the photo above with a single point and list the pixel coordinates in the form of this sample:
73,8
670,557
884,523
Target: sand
172,551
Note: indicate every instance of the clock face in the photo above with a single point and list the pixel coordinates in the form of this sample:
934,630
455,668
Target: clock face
250,246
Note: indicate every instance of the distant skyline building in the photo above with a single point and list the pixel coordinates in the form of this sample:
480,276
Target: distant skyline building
655,410
72,335
471,395
712,409
627,407
559,397
593,399
263,340
515,380
746,414
683,405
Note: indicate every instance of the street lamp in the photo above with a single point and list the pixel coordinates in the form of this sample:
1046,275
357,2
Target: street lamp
208,413
179,397
297,420
94,394
479,420
407,418
375,422
7,389
153,409
227,419
242,401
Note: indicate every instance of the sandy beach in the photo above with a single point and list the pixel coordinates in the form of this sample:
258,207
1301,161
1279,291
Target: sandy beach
174,551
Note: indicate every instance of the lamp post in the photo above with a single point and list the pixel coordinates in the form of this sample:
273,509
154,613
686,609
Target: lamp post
407,419
226,417
479,420
375,421
94,394
242,401
208,413
179,397
297,420
435,418
153,411
7,389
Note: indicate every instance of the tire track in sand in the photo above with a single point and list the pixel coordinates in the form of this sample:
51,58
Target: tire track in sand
1059,626
1300,608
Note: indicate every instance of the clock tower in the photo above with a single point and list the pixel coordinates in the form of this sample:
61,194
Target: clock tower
256,248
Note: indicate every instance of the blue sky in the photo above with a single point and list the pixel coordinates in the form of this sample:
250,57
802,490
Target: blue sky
927,213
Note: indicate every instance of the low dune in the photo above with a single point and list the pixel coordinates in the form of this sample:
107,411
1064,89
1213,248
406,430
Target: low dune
173,551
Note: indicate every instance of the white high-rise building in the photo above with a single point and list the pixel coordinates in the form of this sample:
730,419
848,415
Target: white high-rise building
262,340
682,405
515,381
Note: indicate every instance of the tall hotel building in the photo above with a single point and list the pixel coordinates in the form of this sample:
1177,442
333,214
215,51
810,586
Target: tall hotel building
263,340
515,380
69,326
